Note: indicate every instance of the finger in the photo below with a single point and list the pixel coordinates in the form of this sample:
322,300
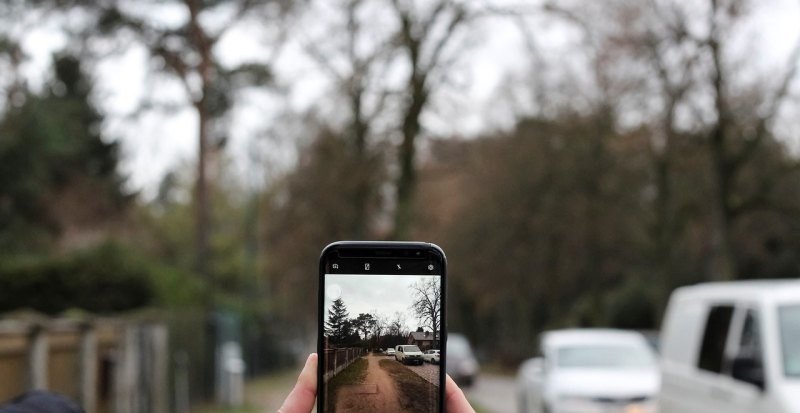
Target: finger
455,400
304,394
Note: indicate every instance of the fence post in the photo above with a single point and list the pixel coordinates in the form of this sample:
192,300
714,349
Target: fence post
127,372
37,358
88,366
182,398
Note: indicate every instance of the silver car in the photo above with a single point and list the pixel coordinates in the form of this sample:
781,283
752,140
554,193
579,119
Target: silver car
461,363
431,356
590,370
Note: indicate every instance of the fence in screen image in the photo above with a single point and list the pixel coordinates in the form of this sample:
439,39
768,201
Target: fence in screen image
338,359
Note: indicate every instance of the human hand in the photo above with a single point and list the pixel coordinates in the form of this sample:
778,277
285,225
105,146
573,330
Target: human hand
304,394
454,399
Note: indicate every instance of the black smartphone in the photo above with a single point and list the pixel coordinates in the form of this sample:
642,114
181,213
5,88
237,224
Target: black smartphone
382,328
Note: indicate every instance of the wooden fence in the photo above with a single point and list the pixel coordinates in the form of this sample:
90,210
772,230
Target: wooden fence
338,359
108,366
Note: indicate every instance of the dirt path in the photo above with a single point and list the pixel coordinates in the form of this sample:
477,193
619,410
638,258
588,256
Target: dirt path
377,394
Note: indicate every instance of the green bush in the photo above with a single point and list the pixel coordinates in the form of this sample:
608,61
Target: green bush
106,279
632,306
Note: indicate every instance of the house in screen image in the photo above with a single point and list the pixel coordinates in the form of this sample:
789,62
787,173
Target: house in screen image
422,339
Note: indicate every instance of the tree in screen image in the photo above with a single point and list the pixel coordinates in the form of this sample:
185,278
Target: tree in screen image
338,326
427,305
363,325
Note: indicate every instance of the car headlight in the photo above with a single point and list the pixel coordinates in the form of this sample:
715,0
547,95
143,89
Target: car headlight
643,407
585,404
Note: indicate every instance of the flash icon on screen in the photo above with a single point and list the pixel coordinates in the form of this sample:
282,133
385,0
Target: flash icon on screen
430,267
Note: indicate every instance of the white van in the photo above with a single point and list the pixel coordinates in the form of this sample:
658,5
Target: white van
732,347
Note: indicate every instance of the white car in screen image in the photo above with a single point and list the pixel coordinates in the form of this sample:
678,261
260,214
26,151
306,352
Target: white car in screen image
732,347
431,356
590,371
408,354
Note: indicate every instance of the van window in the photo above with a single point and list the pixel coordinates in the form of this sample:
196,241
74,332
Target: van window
789,323
750,343
714,337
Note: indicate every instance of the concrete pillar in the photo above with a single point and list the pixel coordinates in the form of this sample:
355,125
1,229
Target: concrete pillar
159,383
37,358
127,371
182,398
88,369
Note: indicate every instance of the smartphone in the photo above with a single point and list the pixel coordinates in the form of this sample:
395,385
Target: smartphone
382,328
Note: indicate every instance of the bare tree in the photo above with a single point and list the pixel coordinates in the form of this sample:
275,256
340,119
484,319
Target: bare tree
187,53
380,326
424,40
427,305
731,144
691,66
358,73
397,324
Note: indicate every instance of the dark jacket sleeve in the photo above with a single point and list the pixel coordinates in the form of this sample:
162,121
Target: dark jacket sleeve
40,402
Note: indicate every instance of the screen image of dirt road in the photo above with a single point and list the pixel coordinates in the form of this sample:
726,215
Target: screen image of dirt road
381,349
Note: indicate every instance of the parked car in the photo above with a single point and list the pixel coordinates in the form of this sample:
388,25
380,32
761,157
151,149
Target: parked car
590,370
408,354
461,363
732,347
389,352
431,356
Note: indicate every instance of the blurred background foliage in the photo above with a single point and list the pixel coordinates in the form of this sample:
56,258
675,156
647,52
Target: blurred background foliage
651,167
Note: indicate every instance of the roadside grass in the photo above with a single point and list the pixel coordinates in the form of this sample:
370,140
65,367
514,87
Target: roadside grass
353,374
411,387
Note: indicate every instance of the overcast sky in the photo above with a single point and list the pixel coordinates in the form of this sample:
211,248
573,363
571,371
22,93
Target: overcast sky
158,142
363,293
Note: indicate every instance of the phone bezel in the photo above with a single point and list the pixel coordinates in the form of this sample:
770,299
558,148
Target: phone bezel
379,250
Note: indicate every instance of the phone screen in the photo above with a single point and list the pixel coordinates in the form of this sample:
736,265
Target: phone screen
382,329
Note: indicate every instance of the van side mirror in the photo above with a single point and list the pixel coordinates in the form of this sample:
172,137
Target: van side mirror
748,369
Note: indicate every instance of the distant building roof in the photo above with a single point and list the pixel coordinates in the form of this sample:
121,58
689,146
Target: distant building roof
422,335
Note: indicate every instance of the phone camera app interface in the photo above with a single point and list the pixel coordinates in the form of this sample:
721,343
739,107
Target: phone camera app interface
381,342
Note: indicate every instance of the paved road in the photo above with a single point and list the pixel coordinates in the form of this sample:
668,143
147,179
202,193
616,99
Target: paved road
496,394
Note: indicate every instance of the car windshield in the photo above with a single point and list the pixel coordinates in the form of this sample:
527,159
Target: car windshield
604,356
407,349
789,319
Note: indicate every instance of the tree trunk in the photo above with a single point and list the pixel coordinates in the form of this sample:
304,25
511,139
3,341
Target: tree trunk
202,207
722,266
407,180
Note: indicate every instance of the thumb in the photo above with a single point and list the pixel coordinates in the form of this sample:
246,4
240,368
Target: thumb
304,394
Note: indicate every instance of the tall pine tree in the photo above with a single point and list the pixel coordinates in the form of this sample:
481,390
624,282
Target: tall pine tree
338,326
56,170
